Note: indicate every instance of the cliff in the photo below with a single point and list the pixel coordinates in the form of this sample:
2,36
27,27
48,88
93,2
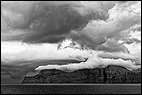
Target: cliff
110,74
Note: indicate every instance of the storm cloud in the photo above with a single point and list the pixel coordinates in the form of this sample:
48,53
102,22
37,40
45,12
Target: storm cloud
46,21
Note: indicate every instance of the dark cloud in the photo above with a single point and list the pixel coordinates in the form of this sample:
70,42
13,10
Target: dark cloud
15,72
112,46
47,21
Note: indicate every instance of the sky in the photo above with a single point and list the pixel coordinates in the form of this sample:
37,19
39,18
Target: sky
37,35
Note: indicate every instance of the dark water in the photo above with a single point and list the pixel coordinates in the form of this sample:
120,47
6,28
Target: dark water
72,89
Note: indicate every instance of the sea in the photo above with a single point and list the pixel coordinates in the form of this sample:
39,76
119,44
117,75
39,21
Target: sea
70,88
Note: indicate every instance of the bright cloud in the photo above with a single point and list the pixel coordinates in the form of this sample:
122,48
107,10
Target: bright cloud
93,62
16,51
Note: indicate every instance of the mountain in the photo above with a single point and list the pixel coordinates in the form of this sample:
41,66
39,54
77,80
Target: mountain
110,74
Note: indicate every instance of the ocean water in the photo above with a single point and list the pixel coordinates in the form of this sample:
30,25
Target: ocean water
71,89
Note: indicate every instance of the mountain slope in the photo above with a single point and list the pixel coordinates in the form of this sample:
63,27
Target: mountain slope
110,74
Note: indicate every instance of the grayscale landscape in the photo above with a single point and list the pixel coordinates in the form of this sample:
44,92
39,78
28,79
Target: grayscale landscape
71,42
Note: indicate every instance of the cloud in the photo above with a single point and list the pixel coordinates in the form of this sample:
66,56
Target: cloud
17,59
48,21
98,32
112,45
106,36
12,50
93,62
14,74
116,55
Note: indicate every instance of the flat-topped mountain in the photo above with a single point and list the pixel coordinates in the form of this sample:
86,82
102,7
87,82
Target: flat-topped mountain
110,74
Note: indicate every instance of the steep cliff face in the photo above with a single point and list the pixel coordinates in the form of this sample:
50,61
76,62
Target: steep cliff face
110,74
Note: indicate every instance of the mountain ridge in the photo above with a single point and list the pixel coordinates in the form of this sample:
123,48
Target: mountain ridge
109,74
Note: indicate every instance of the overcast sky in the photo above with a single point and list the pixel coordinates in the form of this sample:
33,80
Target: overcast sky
34,33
